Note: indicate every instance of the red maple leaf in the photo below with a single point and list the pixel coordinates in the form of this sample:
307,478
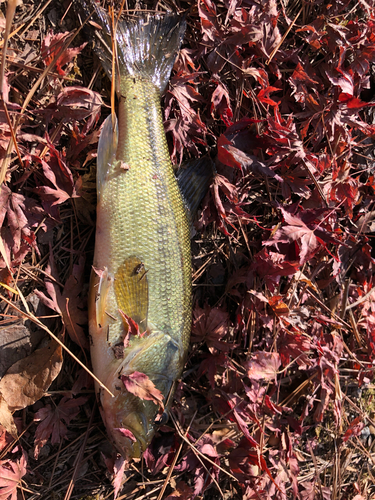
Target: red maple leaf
181,88
79,103
18,215
140,385
210,325
11,473
68,303
271,266
127,433
162,450
244,457
209,21
297,231
186,132
263,366
52,45
354,429
53,421
264,96
182,492
58,175
118,474
220,102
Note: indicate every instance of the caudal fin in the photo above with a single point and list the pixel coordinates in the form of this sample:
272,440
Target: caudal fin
147,45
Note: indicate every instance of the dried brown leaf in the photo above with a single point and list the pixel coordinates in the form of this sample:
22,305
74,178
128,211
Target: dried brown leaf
27,380
6,418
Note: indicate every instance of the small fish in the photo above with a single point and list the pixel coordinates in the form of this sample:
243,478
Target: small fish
142,252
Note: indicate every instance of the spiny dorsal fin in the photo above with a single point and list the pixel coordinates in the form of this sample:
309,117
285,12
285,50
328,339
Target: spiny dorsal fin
131,290
106,151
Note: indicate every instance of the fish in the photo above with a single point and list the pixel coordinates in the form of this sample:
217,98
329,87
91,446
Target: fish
140,300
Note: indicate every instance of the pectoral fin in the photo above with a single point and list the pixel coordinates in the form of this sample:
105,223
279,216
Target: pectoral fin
102,282
131,290
194,178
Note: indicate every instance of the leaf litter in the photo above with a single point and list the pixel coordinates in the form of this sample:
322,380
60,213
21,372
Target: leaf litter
277,396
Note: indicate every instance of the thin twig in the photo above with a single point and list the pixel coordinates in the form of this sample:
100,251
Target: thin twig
78,459
170,471
283,38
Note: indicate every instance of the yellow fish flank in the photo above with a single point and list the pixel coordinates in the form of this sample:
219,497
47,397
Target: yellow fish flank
142,250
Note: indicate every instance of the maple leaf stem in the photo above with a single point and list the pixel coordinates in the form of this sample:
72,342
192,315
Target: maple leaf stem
35,320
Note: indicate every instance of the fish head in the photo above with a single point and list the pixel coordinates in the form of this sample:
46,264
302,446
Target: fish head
130,421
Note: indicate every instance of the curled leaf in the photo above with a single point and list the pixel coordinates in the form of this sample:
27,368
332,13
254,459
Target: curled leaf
140,385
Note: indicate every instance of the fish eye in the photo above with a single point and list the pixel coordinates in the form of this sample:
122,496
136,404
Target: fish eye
163,419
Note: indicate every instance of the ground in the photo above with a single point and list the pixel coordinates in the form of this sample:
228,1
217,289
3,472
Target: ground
277,398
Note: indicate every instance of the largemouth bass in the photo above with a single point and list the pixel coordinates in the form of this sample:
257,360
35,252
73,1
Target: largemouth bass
142,278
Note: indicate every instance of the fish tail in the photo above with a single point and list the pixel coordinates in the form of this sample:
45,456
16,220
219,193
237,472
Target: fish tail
147,45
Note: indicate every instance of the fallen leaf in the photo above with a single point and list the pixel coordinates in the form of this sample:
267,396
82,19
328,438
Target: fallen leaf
296,230
118,473
127,433
354,429
68,303
182,492
20,336
27,380
210,325
79,103
263,366
53,421
18,216
58,174
220,102
52,45
11,473
140,385
6,418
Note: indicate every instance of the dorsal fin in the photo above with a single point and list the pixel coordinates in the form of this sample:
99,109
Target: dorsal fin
194,178
106,151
